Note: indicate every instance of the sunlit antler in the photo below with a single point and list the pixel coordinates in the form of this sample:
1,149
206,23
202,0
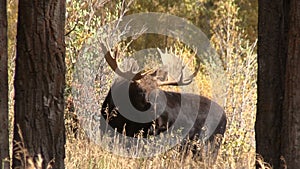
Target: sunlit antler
181,81
130,75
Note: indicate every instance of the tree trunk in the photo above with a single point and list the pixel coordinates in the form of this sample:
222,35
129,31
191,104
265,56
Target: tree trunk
277,123
4,143
39,82
290,147
271,61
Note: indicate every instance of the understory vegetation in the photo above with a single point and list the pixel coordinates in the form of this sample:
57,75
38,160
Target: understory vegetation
231,28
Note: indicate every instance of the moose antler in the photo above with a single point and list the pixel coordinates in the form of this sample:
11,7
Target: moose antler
181,80
129,75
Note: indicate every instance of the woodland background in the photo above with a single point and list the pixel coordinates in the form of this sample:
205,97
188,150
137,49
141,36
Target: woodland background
231,27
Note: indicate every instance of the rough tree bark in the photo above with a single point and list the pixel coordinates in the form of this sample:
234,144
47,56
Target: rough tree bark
278,109
4,143
290,134
39,81
271,61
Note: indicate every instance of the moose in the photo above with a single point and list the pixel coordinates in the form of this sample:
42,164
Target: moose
150,110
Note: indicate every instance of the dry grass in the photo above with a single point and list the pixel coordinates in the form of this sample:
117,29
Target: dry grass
93,156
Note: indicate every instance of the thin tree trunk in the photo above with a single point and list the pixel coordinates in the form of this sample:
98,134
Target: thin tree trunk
4,141
39,82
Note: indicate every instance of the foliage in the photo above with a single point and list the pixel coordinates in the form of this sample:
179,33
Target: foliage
231,27
249,14
239,60
238,56
195,11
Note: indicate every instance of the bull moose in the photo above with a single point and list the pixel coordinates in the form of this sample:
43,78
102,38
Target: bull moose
150,110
